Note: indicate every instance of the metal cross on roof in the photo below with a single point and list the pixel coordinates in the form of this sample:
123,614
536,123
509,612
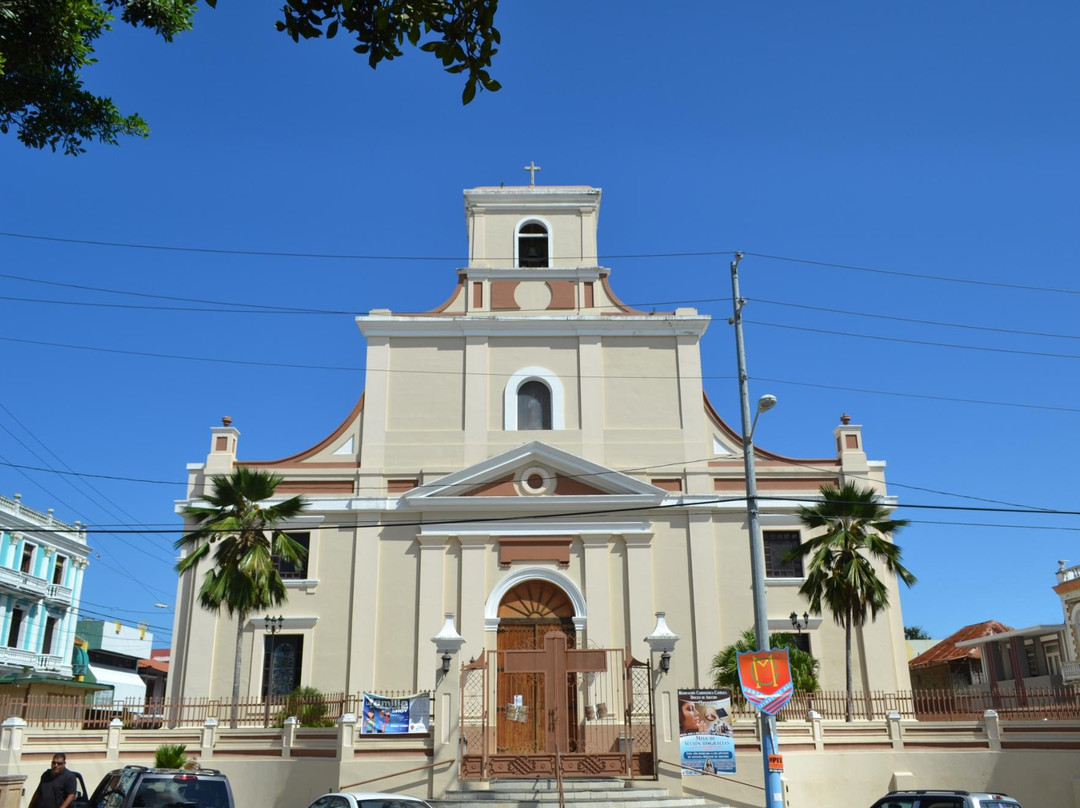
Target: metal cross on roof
532,168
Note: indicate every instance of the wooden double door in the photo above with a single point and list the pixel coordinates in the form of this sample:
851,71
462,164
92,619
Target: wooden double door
523,708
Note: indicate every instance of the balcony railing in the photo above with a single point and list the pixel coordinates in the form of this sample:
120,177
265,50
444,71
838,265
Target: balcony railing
23,582
59,593
1070,671
21,658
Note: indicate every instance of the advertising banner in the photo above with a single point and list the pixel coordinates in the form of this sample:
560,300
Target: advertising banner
706,744
383,715
765,677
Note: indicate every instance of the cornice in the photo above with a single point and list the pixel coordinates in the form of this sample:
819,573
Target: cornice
582,273
382,325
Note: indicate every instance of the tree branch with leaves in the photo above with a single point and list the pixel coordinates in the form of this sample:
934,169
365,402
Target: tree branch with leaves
46,44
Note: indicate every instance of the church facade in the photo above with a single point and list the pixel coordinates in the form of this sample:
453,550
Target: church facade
531,455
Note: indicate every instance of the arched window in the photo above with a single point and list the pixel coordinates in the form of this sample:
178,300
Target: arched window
534,399
534,405
532,245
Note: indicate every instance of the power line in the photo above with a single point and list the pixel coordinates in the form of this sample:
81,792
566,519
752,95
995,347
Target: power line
919,395
916,275
943,323
906,341
547,516
332,256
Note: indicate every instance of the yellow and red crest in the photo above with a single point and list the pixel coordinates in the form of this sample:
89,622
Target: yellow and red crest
765,677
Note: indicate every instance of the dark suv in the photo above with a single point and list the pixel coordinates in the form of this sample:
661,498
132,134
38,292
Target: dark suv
141,787
934,798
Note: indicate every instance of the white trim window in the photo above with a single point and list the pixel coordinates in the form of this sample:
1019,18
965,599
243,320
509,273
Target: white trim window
533,400
532,243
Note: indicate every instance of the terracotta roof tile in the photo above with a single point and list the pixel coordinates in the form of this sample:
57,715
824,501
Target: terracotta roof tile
946,650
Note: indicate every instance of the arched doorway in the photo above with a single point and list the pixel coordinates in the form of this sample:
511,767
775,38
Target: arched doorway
527,613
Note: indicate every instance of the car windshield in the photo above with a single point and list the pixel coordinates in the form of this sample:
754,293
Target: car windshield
181,792
381,803
999,804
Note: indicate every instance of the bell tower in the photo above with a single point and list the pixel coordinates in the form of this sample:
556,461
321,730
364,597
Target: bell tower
532,227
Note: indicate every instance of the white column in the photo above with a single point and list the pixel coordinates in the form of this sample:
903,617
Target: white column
431,608
473,594
639,590
597,587
373,442
477,398
591,398
704,575
692,407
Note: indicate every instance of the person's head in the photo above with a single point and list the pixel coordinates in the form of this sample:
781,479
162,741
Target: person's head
687,717
59,762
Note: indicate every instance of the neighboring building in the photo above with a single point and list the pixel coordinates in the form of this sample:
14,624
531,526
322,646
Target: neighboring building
42,561
115,651
948,666
155,673
532,454
1021,658
1068,589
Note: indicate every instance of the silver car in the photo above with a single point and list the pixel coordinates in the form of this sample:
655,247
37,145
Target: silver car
368,799
937,798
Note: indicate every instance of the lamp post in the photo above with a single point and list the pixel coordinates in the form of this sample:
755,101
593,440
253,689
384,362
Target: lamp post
272,626
798,624
774,797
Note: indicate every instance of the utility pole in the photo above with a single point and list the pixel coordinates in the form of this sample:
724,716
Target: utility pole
774,796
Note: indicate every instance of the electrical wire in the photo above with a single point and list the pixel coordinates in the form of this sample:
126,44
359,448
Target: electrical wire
907,341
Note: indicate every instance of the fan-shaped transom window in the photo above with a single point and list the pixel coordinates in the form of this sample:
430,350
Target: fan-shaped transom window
532,245
534,405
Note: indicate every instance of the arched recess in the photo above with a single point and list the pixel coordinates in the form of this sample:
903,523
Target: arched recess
524,233
534,373
491,607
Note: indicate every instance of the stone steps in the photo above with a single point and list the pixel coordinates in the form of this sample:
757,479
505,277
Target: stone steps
579,793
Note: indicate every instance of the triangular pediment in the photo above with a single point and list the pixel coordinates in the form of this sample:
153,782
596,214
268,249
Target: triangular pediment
534,472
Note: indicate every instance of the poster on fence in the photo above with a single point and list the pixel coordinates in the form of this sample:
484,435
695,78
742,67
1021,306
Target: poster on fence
706,743
388,715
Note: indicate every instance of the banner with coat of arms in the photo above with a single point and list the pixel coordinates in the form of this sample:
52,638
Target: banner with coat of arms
765,677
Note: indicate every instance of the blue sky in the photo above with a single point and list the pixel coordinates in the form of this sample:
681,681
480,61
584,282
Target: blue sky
929,140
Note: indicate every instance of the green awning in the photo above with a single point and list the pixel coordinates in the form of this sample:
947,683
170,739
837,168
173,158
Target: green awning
37,679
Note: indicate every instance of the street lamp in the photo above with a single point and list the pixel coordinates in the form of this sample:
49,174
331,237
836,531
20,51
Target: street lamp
774,796
799,625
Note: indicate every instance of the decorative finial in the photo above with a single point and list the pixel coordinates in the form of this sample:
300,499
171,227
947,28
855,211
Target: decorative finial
532,168
845,419
225,420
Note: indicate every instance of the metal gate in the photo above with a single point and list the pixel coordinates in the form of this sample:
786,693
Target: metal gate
556,711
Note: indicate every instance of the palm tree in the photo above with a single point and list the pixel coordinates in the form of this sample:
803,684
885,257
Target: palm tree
841,576
725,665
243,577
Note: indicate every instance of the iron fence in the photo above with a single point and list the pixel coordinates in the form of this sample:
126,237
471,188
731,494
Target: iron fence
75,712
1052,703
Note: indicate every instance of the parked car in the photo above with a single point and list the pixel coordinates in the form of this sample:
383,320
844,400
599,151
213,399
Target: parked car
142,787
932,798
80,791
369,799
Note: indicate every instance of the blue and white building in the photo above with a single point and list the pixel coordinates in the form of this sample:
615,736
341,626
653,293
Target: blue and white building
42,563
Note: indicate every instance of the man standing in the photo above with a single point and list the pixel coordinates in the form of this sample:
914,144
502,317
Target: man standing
57,788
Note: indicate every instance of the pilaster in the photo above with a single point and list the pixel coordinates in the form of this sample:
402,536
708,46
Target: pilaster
597,587
704,579
432,603
591,397
639,590
473,593
376,381
477,399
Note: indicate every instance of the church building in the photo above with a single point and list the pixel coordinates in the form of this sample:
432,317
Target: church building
530,455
